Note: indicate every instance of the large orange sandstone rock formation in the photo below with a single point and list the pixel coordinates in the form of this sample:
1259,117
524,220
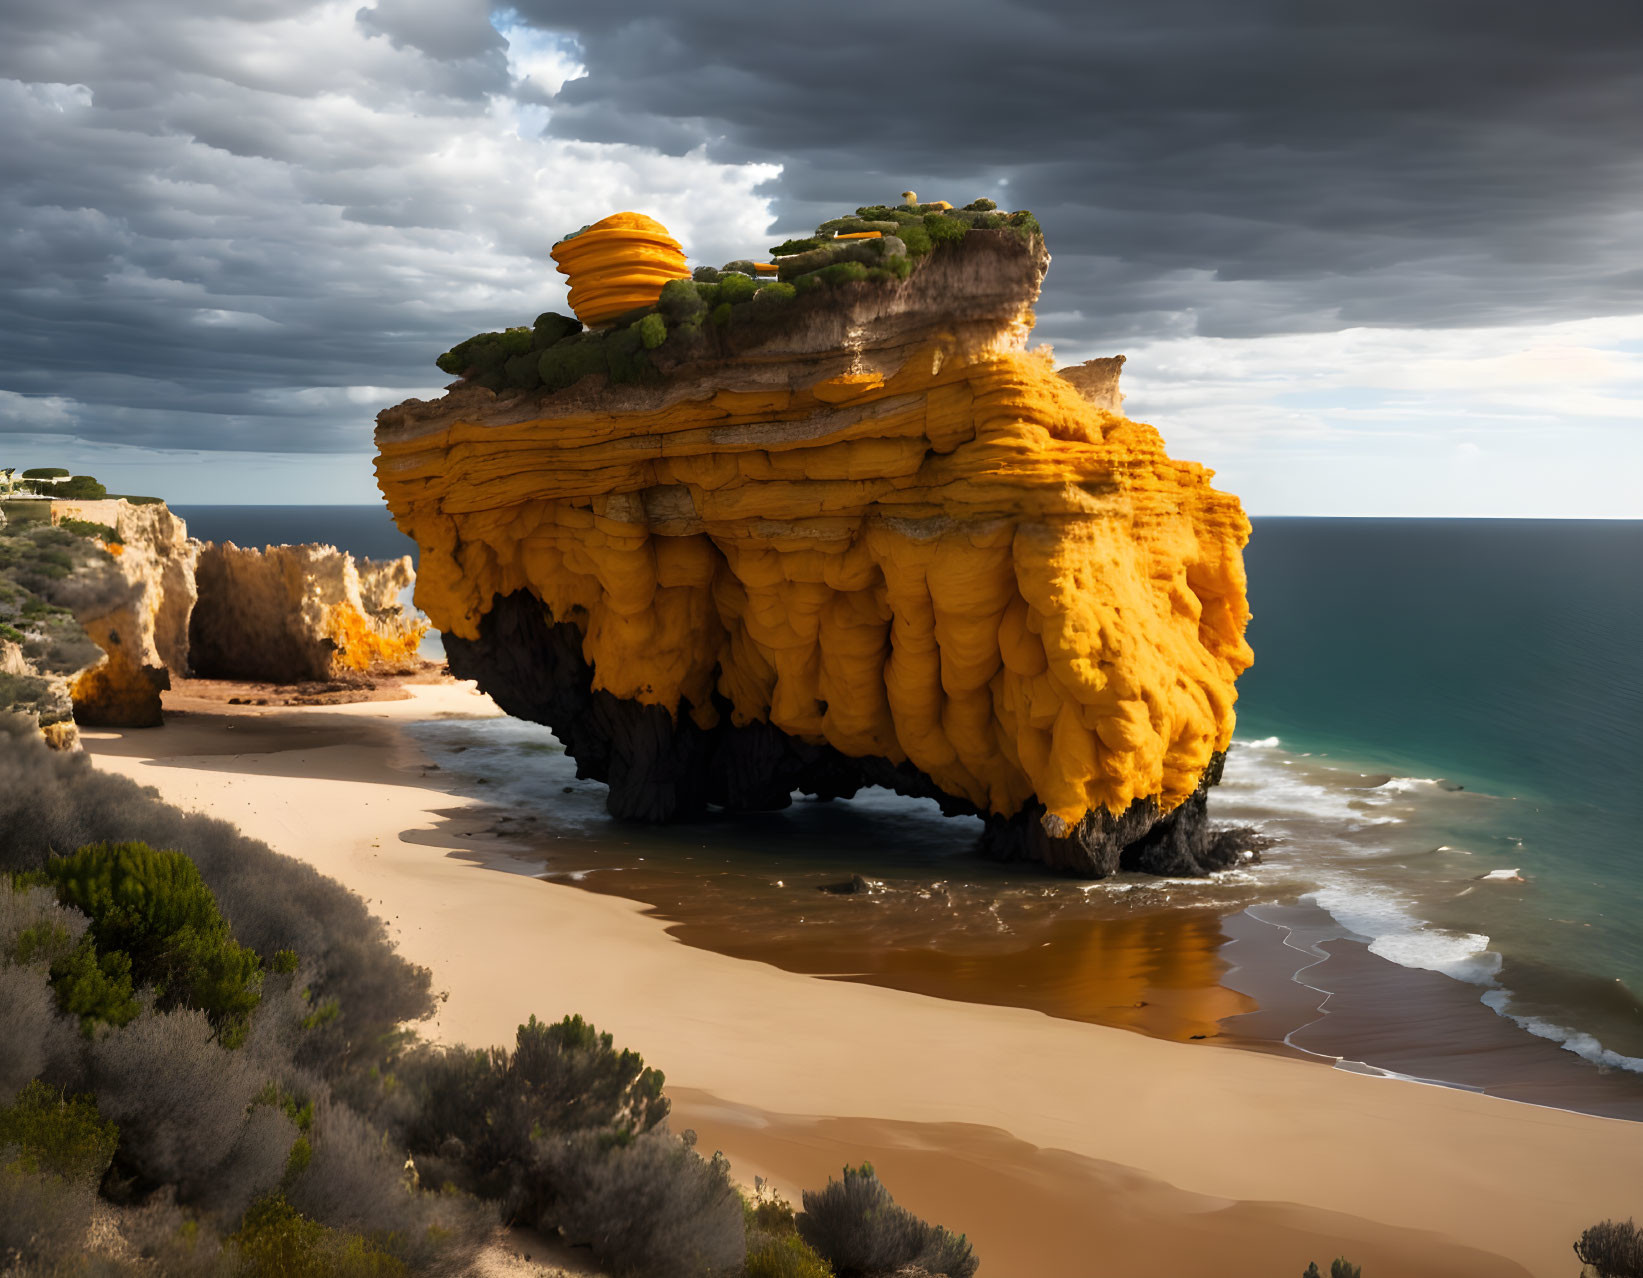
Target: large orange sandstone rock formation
842,534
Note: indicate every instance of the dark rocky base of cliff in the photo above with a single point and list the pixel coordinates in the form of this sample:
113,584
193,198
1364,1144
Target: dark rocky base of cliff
660,769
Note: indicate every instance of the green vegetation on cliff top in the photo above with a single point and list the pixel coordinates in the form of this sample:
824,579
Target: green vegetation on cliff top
556,352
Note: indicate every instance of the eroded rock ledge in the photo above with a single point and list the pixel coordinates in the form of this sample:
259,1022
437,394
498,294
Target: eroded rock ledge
859,536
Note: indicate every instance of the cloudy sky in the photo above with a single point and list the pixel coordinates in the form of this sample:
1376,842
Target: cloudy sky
1370,259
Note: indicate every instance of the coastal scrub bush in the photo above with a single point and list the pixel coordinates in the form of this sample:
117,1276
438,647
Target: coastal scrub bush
857,1227
551,327
50,799
784,1256
789,247
652,331
774,1248
275,1240
52,1132
95,987
79,488
1338,1268
567,1132
482,1109
736,288
86,528
569,361
649,1205
1613,1248
916,238
35,1036
625,358
1024,224
681,301
43,1218
842,273
154,922
181,1100
943,229
775,293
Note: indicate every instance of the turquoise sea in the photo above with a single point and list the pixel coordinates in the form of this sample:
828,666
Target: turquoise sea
1443,729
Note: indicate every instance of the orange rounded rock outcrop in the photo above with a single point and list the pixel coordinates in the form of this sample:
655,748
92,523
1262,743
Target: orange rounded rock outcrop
617,265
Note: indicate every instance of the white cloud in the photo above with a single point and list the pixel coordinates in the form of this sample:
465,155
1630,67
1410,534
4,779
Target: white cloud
222,209
247,225
1540,420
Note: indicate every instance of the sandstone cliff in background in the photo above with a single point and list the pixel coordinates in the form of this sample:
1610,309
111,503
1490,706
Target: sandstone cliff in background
835,529
290,614
136,610
96,618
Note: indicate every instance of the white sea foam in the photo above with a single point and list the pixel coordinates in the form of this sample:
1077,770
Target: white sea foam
1260,743
1396,935
1502,876
1405,785
1274,793
1579,1042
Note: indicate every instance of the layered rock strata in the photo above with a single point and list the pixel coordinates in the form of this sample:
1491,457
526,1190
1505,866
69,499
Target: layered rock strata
292,614
856,534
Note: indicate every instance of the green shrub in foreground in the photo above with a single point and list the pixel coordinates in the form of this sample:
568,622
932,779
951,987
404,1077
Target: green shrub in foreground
62,1135
275,1240
784,1256
774,1248
153,922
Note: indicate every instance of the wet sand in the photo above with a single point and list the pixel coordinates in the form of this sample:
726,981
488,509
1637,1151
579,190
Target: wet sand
1086,1218
1246,1160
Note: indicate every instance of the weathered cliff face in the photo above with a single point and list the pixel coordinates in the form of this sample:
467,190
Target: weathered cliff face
96,619
855,534
136,609
1097,381
290,614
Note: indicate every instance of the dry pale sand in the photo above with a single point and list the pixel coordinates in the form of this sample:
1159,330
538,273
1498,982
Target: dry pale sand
1062,1148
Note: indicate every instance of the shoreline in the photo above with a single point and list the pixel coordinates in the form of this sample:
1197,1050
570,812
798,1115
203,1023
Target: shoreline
1257,966
344,789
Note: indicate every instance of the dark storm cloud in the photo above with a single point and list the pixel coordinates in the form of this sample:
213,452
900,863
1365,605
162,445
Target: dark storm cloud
248,224
1242,167
189,221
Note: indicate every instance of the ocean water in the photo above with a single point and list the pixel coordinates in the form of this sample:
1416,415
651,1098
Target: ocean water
364,531
1443,730
1399,660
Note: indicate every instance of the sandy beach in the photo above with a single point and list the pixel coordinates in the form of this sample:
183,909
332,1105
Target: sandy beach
1061,1148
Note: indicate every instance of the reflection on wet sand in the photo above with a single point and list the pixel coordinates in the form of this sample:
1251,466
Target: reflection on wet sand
1158,972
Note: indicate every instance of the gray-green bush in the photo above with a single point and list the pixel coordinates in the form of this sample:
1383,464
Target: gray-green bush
857,1227
649,1206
